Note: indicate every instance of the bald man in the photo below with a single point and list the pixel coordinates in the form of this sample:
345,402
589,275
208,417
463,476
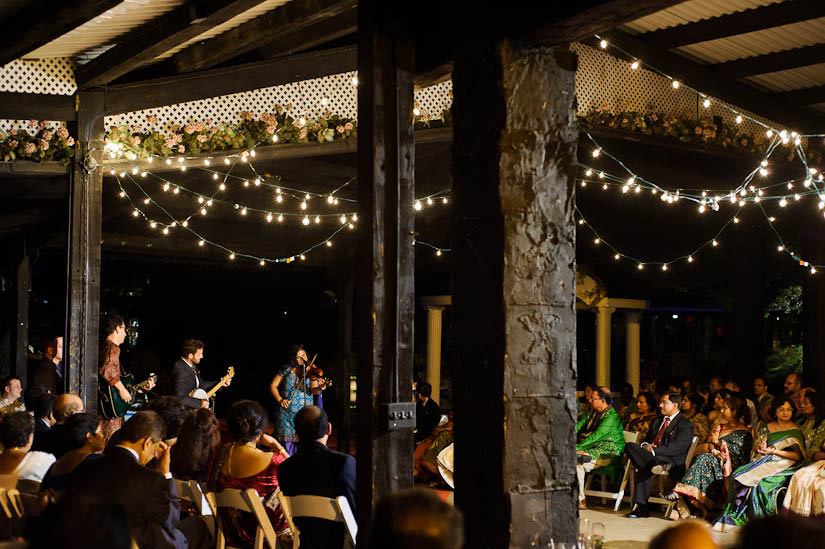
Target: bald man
685,535
793,386
53,440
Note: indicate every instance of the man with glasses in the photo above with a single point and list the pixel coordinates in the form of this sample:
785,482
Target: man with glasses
665,448
599,436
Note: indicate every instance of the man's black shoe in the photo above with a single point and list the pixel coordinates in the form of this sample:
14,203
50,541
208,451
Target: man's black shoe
639,512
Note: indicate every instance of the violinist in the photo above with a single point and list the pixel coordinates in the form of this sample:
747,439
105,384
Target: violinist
293,388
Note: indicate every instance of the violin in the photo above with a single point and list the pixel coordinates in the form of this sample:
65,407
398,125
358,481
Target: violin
317,381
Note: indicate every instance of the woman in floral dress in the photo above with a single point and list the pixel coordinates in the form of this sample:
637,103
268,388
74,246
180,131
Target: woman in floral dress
639,422
729,446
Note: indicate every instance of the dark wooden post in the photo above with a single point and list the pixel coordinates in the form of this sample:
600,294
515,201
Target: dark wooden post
513,276
21,325
384,292
748,246
813,310
341,383
85,215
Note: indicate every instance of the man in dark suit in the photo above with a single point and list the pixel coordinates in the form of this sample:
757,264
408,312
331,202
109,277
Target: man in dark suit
148,497
427,412
43,408
315,470
186,376
53,441
664,449
47,375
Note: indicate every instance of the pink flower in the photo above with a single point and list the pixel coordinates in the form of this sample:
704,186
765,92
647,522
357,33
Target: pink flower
62,132
44,124
136,140
44,144
340,129
202,138
270,129
12,143
303,134
136,129
70,141
178,138
32,123
181,148
29,149
189,129
348,126
12,132
47,135
152,119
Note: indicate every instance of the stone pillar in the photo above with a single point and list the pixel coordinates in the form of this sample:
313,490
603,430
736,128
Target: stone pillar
434,349
603,325
513,287
633,348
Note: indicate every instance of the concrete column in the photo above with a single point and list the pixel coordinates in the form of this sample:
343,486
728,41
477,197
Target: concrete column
603,345
434,349
633,339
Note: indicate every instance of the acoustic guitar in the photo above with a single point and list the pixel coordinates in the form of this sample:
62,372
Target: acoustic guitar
200,394
109,401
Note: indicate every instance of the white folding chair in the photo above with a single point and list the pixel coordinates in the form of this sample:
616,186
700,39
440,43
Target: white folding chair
337,510
603,493
660,478
249,501
191,491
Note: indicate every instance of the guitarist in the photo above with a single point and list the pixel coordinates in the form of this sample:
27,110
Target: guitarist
109,370
186,376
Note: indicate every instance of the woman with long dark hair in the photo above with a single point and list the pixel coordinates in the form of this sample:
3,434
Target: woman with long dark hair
198,438
291,388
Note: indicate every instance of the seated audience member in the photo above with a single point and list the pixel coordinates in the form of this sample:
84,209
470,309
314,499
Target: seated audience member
148,497
780,531
78,524
727,448
171,411
793,386
639,421
425,467
691,534
47,374
241,465
316,470
715,384
198,438
718,399
52,442
665,447
763,397
733,386
43,408
704,392
416,519
584,401
84,441
427,412
806,492
17,436
599,434
756,486
687,387
12,390
691,404
627,403
812,420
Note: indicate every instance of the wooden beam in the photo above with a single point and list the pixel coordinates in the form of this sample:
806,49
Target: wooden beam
717,85
762,64
265,153
212,83
36,106
155,37
83,292
29,168
805,96
765,17
29,188
21,325
321,32
384,293
283,21
43,21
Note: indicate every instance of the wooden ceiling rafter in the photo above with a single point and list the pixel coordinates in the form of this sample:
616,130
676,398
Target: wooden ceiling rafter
155,37
772,62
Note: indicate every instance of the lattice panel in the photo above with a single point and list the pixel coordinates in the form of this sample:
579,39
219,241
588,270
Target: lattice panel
305,97
604,81
53,76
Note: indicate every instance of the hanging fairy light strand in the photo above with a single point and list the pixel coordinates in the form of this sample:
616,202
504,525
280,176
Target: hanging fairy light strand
439,251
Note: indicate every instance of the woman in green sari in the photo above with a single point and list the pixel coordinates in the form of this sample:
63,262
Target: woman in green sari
757,488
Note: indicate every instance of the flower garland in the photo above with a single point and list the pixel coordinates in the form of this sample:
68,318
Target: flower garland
686,129
38,142
278,127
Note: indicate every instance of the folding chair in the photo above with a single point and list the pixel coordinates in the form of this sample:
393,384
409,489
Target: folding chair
660,478
337,510
191,491
603,493
249,501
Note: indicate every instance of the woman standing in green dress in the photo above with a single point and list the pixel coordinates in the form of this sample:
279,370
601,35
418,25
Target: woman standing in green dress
727,448
757,488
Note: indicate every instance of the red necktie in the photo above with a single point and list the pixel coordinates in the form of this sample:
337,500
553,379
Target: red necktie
658,439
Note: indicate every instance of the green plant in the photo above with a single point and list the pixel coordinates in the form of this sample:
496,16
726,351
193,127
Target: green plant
783,361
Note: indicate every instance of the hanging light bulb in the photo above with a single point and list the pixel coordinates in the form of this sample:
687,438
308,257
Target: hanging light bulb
635,64
305,221
280,218
201,242
417,205
603,44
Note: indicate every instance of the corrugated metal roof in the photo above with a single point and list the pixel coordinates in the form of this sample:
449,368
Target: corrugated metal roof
236,21
103,29
795,35
692,11
791,79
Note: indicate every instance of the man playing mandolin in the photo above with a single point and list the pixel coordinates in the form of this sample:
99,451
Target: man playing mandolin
186,376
